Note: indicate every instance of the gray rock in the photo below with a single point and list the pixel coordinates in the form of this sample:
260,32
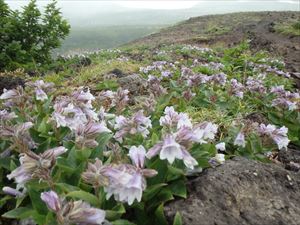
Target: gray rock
241,192
134,83
290,159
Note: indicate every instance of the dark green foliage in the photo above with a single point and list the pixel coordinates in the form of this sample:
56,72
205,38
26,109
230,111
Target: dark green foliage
28,37
296,25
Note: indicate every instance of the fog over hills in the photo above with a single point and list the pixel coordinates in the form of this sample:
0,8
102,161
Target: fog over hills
106,24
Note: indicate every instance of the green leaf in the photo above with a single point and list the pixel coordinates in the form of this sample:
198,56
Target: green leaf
177,219
36,136
159,215
178,188
115,213
174,173
107,84
154,138
19,213
160,166
37,203
44,126
90,198
4,199
122,222
163,196
19,201
67,187
5,163
102,140
151,191
64,165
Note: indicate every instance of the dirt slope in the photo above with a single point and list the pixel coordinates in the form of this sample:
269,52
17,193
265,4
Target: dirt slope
230,29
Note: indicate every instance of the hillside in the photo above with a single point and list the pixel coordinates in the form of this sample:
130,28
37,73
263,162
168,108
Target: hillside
200,122
265,30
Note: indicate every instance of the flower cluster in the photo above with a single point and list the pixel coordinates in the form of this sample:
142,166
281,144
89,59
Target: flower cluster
72,212
278,135
196,48
255,85
19,135
118,99
85,135
236,88
35,166
285,99
13,97
137,124
7,116
41,89
155,87
190,117
74,111
157,66
126,182
180,136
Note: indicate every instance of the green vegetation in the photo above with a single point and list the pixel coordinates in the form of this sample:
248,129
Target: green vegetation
87,143
289,28
27,38
89,38
80,154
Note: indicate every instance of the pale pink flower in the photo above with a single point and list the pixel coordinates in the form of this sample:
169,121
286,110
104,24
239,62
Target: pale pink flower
237,88
12,191
173,119
218,159
52,200
13,97
9,94
35,166
221,146
41,88
240,140
73,212
5,115
137,124
279,135
86,135
174,147
127,182
95,174
204,132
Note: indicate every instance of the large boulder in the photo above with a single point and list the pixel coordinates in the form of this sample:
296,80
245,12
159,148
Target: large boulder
10,82
136,84
241,192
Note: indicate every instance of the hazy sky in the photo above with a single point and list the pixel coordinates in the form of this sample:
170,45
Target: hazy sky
107,13
142,4
105,24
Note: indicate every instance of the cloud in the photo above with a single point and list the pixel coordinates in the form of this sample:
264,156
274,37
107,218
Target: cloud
157,4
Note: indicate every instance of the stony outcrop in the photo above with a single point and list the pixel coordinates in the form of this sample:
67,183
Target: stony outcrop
241,192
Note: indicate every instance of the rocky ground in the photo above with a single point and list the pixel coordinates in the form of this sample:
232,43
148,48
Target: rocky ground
241,192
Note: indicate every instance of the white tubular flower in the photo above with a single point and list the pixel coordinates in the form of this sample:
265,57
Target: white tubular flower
240,140
221,146
278,135
170,150
218,159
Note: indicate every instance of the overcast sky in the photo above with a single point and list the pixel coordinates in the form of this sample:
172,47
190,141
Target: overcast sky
141,4
107,13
